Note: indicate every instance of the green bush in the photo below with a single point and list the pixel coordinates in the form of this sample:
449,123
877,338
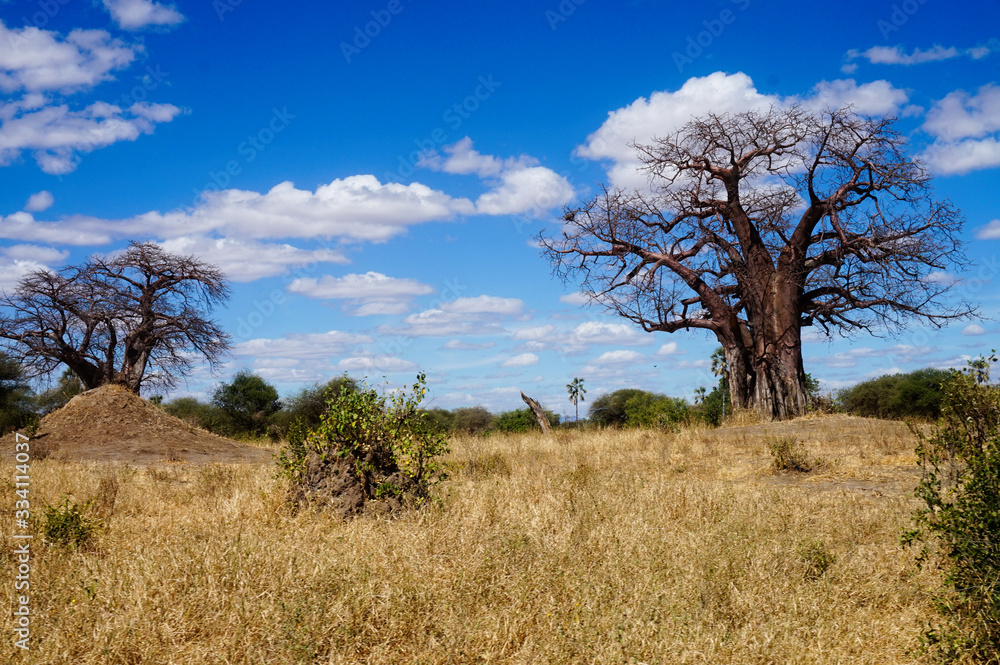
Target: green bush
56,397
249,402
370,451
471,420
655,411
520,420
959,523
631,407
67,524
897,396
199,414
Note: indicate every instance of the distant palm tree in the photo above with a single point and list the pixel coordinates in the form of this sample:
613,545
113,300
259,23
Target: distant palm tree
720,368
576,394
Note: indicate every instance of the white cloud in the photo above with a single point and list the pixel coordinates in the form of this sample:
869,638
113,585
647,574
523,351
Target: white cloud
526,190
874,98
56,136
961,115
247,260
35,254
596,332
962,157
665,112
895,55
376,364
522,360
136,14
458,344
534,333
966,129
484,305
463,159
973,329
373,293
522,187
575,298
669,349
356,208
315,346
989,232
37,60
618,357
39,201
373,285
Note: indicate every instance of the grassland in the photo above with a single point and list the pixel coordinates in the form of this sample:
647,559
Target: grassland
579,547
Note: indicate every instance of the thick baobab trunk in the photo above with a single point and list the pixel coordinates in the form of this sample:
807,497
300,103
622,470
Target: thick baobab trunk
780,380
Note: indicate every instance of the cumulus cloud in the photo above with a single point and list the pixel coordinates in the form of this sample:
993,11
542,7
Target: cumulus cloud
18,260
665,112
376,364
669,349
39,201
315,346
575,298
248,260
480,315
973,329
618,357
36,60
522,360
598,332
874,98
520,186
373,293
966,129
534,333
56,136
356,208
137,14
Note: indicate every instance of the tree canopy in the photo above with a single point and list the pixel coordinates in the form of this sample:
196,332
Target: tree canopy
134,319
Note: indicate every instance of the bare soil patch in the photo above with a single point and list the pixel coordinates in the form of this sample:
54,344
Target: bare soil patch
111,424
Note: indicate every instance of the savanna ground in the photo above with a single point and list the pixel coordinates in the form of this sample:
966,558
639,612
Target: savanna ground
578,547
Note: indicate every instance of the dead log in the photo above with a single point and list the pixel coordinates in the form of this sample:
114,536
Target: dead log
539,414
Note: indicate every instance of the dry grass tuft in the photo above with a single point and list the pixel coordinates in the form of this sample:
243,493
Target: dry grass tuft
597,547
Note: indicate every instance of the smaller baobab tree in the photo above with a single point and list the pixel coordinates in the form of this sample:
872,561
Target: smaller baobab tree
134,319
576,394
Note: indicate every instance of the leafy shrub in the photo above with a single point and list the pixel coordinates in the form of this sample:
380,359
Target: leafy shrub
520,420
199,414
248,401
471,420
369,452
655,411
915,395
789,455
67,524
56,397
609,409
959,525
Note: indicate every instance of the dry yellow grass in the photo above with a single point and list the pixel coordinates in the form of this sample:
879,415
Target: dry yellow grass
580,547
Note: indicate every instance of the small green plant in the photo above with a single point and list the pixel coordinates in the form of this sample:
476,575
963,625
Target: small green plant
789,455
368,447
958,525
817,558
68,525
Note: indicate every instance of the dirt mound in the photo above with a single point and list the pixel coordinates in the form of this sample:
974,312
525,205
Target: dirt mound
112,424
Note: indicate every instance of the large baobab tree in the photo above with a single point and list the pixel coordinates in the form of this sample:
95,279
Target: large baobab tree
135,319
758,224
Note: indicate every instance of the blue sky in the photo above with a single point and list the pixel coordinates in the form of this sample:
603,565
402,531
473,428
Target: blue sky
372,175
